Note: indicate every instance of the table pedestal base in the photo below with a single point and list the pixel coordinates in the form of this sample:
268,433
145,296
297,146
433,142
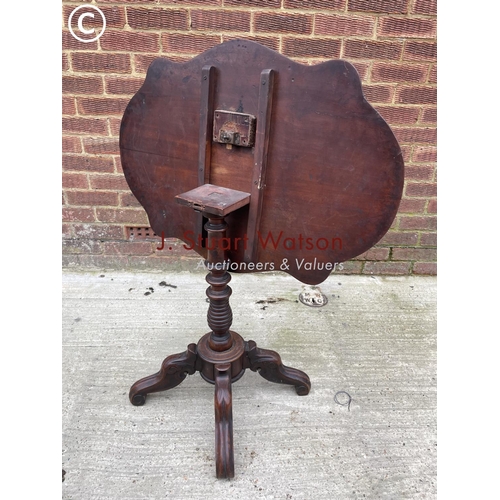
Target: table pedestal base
221,356
220,368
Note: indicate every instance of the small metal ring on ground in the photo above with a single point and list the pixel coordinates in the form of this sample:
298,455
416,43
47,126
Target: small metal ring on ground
348,403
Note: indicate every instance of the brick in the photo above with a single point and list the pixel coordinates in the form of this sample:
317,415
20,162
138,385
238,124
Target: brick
180,3
71,145
131,1
122,85
70,214
74,180
65,62
70,261
307,62
179,58
125,41
374,254
416,95
82,85
420,51
387,268
142,62
128,247
101,145
425,268
361,68
81,247
123,215
429,115
379,6
315,4
394,238
161,263
172,248
118,165
67,230
223,20
421,189
262,4
283,23
425,254
85,125
128,200
101,106
69,42
270,42
306,47
115,17
406,152
385,72
98,232
411,206
101,63
420,173
114,126
92,198
432,207
428,239
157,19
398,115
350,267
433,74
407,28
189,44
344,25
378,93
86,163
103,262
416,135
369,49
68,106
109,182
421,223
427,7
424,154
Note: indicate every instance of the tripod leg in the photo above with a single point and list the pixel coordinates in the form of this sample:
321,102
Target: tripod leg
224,455
172,372
269,365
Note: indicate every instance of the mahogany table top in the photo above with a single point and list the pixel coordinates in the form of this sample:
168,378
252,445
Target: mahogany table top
323,169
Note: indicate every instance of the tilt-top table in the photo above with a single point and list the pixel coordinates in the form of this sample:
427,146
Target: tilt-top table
258,163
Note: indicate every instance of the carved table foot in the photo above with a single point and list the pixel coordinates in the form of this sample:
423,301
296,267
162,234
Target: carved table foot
172,372
269,365
224,455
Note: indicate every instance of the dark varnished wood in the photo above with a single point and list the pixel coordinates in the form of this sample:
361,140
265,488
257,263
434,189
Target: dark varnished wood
324,168
260,165
220,316
208,75
216,200
221,356
173,371
269,365
334,168
224,454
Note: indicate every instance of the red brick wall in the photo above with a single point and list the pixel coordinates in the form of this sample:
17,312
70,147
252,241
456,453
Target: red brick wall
392,43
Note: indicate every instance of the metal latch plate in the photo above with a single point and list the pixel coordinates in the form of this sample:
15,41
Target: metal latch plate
234,128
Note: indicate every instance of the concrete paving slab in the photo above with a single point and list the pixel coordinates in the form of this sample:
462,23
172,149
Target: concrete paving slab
375,339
